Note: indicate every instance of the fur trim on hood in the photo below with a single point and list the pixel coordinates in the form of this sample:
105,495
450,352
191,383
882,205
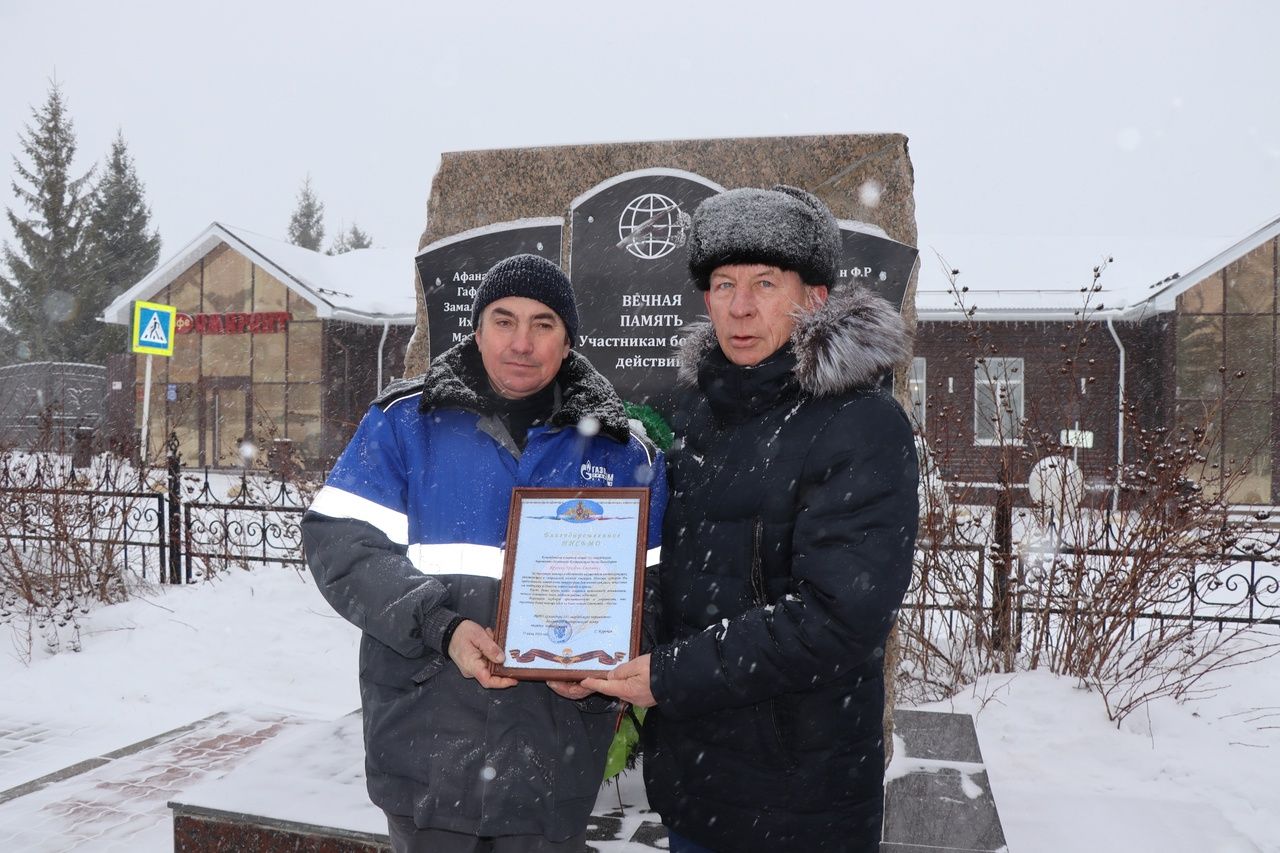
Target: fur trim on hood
846,343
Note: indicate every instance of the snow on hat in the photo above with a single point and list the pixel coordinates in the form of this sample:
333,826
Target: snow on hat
533,277
784,227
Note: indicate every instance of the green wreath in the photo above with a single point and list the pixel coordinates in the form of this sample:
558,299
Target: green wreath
655,426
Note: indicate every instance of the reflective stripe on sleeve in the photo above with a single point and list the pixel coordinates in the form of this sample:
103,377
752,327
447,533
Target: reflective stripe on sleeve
336,503
653,556
458,559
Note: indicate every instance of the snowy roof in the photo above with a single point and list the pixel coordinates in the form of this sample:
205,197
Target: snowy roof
1165,298
363,286
1045,277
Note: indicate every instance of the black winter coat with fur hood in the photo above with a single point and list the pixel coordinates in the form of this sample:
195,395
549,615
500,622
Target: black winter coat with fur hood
787,547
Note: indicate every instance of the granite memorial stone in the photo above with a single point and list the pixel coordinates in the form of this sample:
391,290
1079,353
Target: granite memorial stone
451,268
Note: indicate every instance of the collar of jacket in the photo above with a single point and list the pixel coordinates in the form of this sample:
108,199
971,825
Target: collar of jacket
456,377
847,342
738,393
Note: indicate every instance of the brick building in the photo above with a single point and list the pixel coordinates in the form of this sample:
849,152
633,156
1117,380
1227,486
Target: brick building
1002,374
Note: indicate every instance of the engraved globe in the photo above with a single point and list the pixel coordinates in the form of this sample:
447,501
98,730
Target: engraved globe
652,226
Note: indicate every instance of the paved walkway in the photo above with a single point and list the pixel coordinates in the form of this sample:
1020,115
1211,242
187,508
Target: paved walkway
117,801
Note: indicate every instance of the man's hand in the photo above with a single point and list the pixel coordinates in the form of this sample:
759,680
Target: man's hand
472,648
629,682
570,689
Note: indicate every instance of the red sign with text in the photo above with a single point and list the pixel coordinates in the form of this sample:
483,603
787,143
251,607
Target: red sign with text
232,323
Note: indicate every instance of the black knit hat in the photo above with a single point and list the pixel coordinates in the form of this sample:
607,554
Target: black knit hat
533,277
784,227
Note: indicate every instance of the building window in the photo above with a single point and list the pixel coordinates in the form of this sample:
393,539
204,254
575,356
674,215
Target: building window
998,400
1227,376
916,387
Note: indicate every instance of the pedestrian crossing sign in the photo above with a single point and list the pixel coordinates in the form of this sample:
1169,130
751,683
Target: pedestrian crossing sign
153,327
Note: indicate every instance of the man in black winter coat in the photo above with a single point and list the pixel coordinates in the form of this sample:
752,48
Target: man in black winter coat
787,544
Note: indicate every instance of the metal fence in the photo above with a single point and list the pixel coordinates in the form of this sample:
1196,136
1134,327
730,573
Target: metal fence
168,525
258,523
53,514
1231,588
102,526
183,525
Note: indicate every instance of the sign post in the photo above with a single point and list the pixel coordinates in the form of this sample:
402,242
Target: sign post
1076,439
153,329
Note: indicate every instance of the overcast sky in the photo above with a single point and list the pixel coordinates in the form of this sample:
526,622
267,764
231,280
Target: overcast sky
1112,118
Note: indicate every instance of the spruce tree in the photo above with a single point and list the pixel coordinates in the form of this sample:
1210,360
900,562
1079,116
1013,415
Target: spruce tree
357,239
306,226
353,238
40,295
122,247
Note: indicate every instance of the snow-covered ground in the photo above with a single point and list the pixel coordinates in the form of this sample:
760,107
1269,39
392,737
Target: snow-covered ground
1200,777
1194,777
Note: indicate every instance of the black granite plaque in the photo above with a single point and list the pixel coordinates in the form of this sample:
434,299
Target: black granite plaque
629,266
944,808
944,803
452,268
875,261
937,736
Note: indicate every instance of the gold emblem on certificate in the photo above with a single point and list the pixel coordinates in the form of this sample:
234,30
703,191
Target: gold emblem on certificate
572,582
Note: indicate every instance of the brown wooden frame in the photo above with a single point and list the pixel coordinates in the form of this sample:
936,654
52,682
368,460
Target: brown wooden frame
518,495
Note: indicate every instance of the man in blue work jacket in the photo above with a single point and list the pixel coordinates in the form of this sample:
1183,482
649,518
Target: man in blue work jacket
405,540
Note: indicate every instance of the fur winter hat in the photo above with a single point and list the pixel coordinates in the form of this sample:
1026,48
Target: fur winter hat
783,227
533,277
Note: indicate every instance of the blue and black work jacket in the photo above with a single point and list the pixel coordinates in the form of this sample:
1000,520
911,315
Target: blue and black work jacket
407,533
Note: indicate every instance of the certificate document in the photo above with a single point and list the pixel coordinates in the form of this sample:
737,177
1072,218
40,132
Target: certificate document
573,582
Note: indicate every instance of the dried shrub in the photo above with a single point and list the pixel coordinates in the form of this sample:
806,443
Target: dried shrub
66,540
1140,587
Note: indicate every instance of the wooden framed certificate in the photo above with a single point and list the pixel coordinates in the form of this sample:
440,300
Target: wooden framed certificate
572,583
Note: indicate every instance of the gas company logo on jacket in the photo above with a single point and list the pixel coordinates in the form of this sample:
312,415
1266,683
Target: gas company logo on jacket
595,473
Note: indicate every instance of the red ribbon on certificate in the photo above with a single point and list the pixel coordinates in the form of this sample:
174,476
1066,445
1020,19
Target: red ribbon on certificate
599,655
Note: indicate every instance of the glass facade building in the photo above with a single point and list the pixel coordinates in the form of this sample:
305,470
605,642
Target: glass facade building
1225,366
274,345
